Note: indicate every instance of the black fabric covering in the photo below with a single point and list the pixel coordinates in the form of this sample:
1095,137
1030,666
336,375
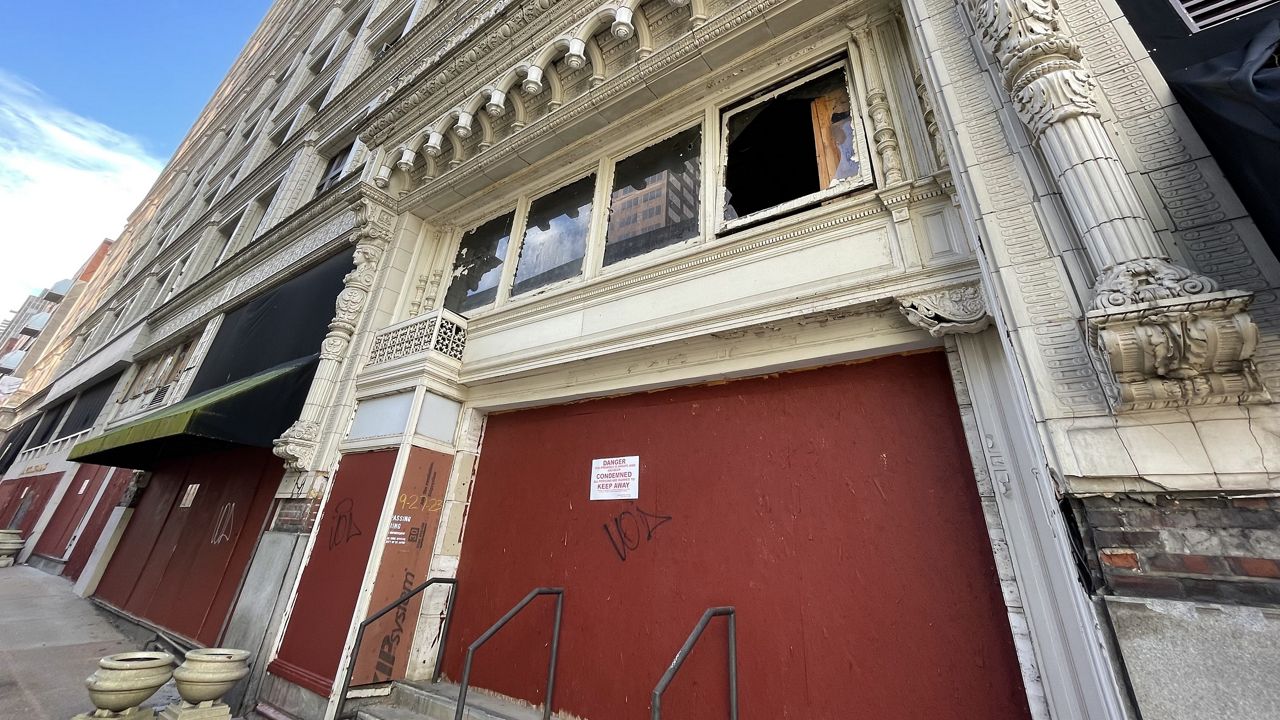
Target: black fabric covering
13,442
1233,99
88,406
1174,46
274,328
48,423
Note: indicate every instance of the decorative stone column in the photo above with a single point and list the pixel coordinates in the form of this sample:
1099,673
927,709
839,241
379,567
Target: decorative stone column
297,445
882,130
1169,336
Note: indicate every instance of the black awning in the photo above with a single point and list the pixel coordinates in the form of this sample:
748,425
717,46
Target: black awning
252,411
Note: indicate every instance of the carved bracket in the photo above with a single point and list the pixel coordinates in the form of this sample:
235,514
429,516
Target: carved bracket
1179,351
955,309
298,444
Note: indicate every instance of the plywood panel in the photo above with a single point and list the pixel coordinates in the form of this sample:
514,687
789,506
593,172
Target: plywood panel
57,535
836,508
116,484
330,583
180,567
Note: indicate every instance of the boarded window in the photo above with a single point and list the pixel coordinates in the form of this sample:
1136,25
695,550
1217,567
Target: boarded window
655,197
477,269
791,144
555,238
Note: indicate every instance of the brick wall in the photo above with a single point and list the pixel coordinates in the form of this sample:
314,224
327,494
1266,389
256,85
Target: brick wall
1218,549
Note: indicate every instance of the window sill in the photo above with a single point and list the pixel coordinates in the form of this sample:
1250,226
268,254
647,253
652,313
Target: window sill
792,207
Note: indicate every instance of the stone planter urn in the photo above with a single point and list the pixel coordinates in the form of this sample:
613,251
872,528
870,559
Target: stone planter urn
11,543
204,677
124,681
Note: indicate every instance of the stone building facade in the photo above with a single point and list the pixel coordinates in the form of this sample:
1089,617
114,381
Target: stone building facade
927,335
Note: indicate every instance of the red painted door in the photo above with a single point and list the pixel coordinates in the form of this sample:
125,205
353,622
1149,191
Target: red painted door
25,500
88,539
55,541
184,553
330,582
835,508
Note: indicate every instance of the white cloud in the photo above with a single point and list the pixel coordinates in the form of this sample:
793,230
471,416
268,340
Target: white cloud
66,183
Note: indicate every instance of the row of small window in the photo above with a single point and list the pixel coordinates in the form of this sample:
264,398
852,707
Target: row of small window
787,147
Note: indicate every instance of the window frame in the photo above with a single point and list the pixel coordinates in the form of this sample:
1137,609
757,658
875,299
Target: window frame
602,270
514,248
711,117
768,92
335,168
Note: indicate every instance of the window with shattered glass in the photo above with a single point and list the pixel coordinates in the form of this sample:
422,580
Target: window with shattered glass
655,198
792,146
477,268
555,236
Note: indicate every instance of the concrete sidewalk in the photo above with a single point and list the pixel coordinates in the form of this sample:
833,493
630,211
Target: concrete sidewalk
50,641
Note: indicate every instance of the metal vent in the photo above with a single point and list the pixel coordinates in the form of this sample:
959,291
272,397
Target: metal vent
1201,14
158,397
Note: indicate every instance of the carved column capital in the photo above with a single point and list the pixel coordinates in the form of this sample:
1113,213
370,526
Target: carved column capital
1178,351
1166,336
1040,65
949,310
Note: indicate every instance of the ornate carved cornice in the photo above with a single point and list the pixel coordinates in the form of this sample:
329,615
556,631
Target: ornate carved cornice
949,310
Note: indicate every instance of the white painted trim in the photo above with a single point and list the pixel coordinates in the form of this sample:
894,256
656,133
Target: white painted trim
1070,648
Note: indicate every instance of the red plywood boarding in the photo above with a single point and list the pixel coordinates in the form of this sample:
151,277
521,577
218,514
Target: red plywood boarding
88,539
835,508
406,558
181,567
56,539
25,499
330,582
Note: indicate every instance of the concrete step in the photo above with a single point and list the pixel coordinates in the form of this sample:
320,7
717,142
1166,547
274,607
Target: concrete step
424,701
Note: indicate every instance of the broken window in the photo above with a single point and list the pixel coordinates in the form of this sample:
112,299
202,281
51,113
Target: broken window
792,146
655,197
477,268
555,236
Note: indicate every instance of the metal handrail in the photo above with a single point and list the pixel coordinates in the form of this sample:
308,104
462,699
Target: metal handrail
444,633
661,687
555,647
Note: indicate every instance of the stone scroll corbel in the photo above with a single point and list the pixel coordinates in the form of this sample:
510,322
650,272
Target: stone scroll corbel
298,444
949,310
1167,336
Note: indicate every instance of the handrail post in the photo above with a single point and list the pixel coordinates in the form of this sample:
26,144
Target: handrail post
355,648
733,664
444,634
682,654
555,654
465,685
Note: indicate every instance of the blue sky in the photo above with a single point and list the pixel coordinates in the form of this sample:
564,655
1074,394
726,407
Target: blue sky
95,95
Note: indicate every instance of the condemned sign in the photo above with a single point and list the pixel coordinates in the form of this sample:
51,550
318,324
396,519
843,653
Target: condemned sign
615,478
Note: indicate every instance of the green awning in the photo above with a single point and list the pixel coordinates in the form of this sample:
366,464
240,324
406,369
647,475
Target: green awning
252,411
